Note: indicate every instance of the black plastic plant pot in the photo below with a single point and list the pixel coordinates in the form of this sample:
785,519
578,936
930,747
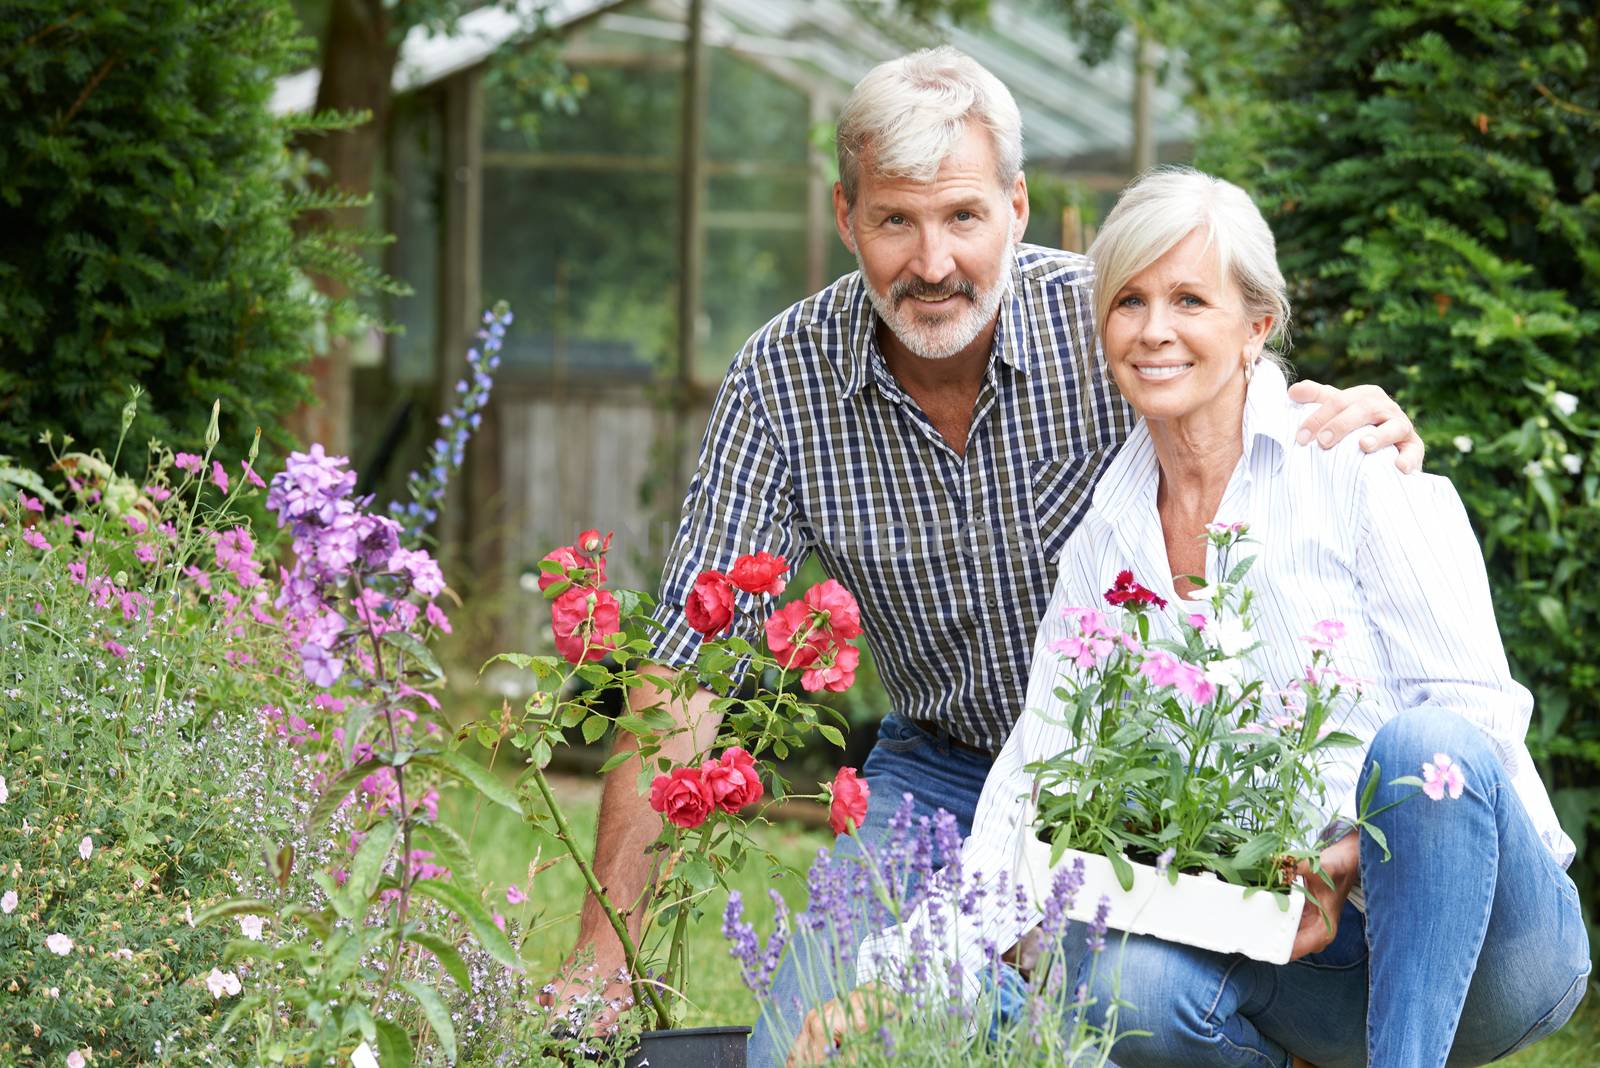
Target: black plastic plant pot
692,1047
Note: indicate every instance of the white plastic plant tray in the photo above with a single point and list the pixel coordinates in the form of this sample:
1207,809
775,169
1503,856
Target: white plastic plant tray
1200,910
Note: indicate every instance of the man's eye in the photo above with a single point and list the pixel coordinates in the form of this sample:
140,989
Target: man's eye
895,220
965,216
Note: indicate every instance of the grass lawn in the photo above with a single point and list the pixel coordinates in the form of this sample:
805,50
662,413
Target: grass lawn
505,846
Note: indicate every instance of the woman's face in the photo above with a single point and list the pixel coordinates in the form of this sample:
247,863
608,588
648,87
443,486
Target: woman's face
1177,336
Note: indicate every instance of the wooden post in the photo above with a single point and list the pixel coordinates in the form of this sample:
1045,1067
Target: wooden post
1144,91
1072,229
691,193
819,199
461,281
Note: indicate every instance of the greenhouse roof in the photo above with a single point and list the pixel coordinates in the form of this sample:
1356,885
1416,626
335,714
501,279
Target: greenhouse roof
1068,108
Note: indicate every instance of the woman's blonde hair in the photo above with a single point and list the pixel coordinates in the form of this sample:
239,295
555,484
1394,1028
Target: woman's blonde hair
1164,206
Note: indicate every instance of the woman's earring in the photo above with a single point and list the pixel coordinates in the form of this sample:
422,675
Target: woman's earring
1249,371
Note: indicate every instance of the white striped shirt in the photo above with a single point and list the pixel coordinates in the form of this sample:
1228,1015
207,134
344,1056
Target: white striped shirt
1340,534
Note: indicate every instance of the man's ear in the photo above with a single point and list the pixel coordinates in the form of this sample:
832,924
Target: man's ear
1019,204
841,217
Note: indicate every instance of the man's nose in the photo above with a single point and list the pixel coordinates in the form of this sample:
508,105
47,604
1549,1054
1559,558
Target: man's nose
934,261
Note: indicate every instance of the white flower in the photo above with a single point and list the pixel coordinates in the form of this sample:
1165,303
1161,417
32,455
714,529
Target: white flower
59,944
8,903
1572,462
363,1057
5,791
86,847
251,926
1565,403
75,1059
1230,636
1533,469
54,991
122,953
1227,673
1462,443
220,983
188,915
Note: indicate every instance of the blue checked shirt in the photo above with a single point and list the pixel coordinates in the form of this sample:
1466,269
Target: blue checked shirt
813,446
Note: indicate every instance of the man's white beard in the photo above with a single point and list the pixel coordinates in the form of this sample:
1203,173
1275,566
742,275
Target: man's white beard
943,336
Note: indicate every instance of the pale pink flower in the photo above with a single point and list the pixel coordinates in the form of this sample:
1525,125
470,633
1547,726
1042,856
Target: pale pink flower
1161,668
1195,620
1085,652
8,903
116,649
122,953
59,944
515,896
86,847
251,927
219,476
1324,634
75,1059
32,504
250,476
35,539
1191,681
1441,777
222,983
435,615
187,461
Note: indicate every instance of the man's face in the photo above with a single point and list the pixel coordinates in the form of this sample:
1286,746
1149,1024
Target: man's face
936,256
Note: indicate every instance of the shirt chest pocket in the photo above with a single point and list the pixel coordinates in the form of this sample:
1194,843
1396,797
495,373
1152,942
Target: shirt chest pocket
1060,488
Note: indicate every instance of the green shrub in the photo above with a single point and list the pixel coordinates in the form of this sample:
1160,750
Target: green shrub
148,221
1430,172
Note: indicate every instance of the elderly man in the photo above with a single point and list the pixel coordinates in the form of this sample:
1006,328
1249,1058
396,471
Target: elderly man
931,426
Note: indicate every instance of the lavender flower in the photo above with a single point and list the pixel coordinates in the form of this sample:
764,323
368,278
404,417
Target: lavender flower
1097,927
1064,887
1164,861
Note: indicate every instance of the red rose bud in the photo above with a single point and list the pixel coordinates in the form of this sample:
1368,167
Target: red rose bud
761,573
593,544
1125,591
849,807
681,797
844,615
586,623
732,781
709,606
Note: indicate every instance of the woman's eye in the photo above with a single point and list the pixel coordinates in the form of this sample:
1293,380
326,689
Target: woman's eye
1129,302
1189,300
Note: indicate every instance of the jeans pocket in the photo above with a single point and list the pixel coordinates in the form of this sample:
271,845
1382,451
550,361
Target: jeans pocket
1555,1018
899,735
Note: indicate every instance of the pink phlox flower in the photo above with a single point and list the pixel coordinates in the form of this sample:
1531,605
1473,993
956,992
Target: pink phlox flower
422,866
1191,681
330,702
1085,652
1227,528
1160,667
157,493
145,553
420,568
1442,776
219,477
1252,728
499,921
234,546
1091,622
340,876
102,590
250,476
187,461
514,895
133,603
259,611
1196,620
1324,634
168,531
1129,642
78,571
435,616
422,695
85,536
31,504
361,752
116,649
35,539
405,614
135,524
429,803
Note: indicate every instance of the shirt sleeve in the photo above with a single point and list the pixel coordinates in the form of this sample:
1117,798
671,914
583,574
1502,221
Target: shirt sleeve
740,501
1427,600
959,937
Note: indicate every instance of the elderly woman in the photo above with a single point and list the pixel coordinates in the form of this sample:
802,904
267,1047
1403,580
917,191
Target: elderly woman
1470,943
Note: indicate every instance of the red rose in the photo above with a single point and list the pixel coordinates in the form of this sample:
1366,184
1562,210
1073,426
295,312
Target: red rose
837,676
585,622
761,573
843,614
1125,591
709,606
795,639
733,781
682,797
591,543
582,569
849,807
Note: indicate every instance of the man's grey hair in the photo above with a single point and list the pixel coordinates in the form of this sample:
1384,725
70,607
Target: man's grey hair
1163,207
912,112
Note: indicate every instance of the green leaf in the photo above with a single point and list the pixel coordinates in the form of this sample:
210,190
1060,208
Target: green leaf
476,917
328,803
616,760
452,851
437,1015
1379,837
410,645
366,869
448,956
1257,849
1370,790
1120,865
545,667
832,734
594,728
1554,614
394,1045
355,721
245,906
475,775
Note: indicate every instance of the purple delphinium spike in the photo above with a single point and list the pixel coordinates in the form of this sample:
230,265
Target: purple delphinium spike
1064,887
1097,927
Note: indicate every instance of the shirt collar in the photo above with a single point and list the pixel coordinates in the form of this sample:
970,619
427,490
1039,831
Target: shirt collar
1270,422
864,361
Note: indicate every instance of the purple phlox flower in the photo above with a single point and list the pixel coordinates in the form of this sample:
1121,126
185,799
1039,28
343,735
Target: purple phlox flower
311,489
379,538
320,666
420,569
234,546
1097,926
1164,860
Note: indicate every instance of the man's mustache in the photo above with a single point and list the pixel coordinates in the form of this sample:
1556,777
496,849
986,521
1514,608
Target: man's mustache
916,287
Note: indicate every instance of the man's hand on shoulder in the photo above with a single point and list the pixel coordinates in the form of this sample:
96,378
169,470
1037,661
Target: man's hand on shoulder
590,996
1341,412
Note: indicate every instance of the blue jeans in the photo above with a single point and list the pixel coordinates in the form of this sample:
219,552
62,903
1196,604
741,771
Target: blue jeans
906,760
1473,945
